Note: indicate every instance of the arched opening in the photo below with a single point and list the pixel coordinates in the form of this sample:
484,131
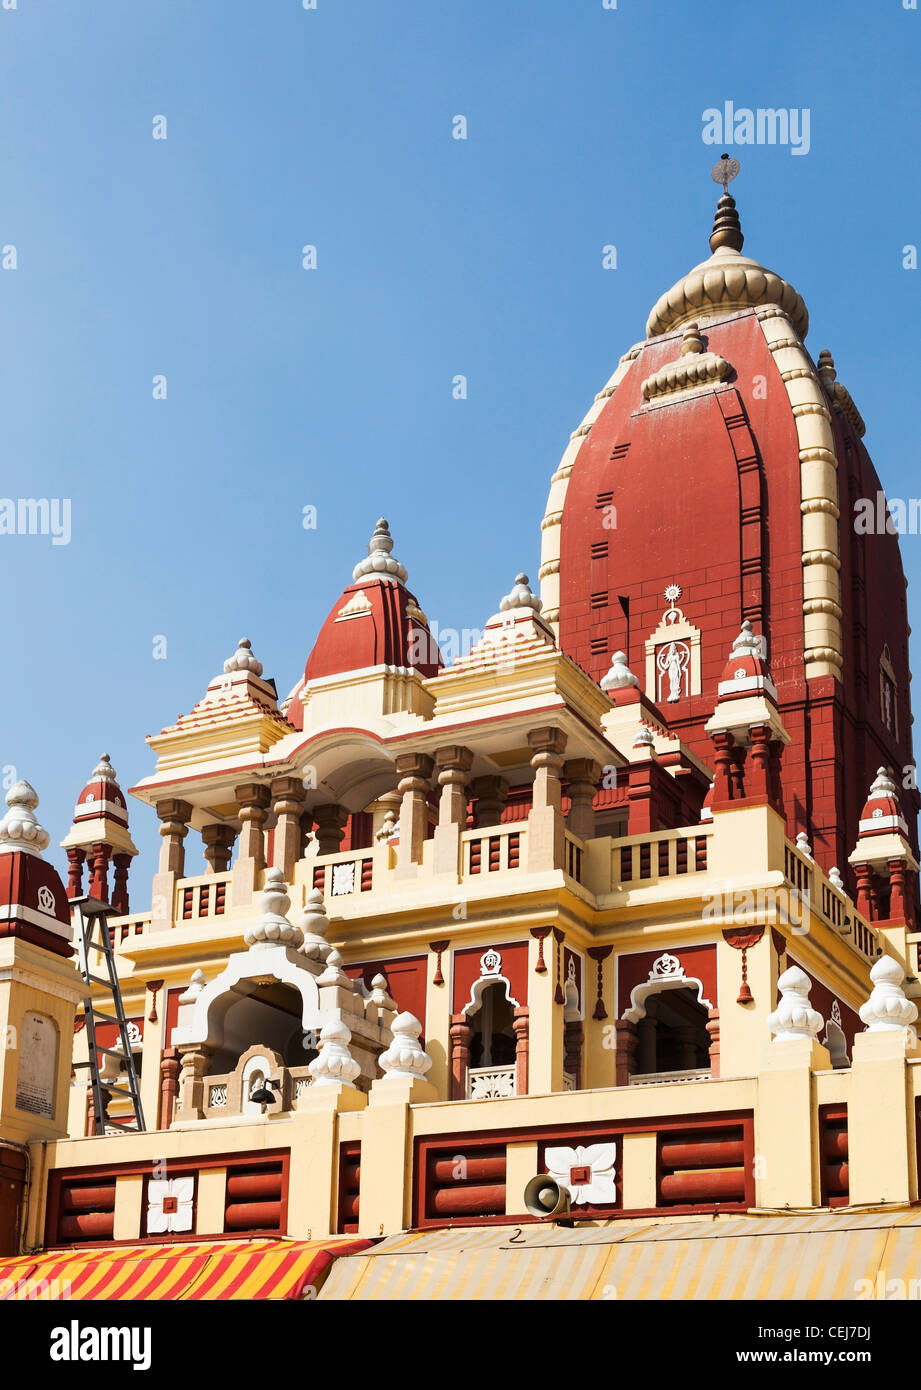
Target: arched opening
672,1034
271,1017
493,1034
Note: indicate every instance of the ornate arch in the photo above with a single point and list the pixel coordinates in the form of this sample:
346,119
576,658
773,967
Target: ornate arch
667,973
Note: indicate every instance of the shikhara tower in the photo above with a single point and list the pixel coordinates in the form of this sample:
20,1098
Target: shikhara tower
590,917
721,464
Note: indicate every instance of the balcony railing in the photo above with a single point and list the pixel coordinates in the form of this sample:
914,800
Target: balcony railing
644,859
493,848
205,896
490,1083
344,875
660,1078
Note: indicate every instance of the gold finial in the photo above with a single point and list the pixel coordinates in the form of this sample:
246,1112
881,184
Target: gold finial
725,170
727,230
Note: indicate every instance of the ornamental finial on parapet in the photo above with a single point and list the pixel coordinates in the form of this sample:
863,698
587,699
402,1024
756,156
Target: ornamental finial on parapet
887,1008
273,927
520,596
19,828
793,1018
243,659
727,229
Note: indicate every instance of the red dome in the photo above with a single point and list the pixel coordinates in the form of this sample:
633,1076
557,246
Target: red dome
376,621
102,796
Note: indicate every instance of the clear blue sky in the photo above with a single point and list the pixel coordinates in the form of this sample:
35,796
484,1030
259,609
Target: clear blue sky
436,257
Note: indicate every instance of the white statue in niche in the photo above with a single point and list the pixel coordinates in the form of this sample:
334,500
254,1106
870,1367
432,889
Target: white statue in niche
672,661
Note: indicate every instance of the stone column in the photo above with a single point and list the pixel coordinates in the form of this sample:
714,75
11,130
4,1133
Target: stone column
75,861
545,820
453,767
99,873
867,902
722,766
573,1039
169,1086
414,771
287,803
253,801
901,907
191,1082
120,881
331,821
491,796
461,1037
583,775
759,770
713,1028
174,826
737,771
625,1056
218,841
521,1025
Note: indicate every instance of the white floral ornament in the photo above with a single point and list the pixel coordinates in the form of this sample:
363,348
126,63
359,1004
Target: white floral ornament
587,1174
170,1205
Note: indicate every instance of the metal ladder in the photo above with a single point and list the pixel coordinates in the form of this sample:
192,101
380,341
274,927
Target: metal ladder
89,917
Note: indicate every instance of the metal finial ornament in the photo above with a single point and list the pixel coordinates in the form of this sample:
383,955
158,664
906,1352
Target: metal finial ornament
725,170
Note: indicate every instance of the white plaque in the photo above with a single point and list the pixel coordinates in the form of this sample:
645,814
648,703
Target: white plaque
35,1080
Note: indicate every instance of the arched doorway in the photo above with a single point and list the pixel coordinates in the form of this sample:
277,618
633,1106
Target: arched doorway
672,1035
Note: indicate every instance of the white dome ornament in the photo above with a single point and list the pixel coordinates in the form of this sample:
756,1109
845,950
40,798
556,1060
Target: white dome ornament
20,831
334,974
243,659
380,994
619,677
104,771
803,845
520,597
835,879
314,926
334,1064
887,1008
643,738
405,1057
380,563
273,927
793,1018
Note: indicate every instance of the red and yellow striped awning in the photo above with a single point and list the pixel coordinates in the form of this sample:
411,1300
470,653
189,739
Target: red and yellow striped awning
241,1269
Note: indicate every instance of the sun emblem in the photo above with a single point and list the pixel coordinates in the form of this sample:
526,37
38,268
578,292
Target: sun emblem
672,593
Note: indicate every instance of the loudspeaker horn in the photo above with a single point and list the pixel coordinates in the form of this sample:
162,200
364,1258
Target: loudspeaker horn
544,1197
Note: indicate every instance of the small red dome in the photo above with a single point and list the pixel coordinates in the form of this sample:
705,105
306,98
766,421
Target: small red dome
376,621
746,672
882,810
102,796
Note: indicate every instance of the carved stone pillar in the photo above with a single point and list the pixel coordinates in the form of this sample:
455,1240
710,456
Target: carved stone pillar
191,1082
547,762
453,768
901,908
174,816
723,744
583,775
253,802
99,872
759,770
867,901
625,1056
521,1025
75,861
169,1086
461,1037
646,1032
414,771
218,841
174,819
491,797
122,863
713,1028
737,771
331,821
546,837
687,1037
573,1039
287,803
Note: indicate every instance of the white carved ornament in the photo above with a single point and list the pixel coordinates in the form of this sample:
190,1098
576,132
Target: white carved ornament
666,967
491,1083
586,1173
343,879
490,962
170,1205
